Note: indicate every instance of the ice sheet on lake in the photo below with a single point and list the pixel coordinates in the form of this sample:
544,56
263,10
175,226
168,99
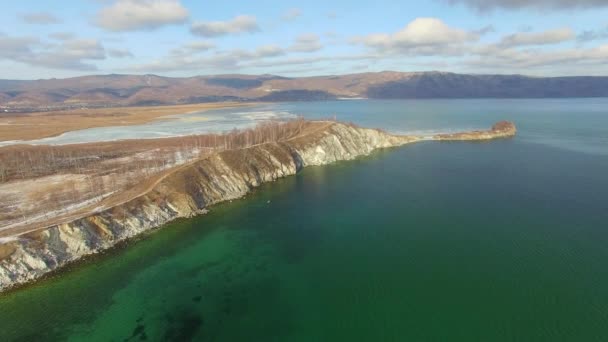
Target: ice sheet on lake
215,121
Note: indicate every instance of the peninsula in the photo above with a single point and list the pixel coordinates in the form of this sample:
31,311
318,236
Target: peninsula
169,178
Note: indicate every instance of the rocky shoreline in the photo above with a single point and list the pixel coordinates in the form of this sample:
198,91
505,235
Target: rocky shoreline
192,190
502,129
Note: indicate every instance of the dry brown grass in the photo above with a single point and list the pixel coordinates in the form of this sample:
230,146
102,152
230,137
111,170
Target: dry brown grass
6,250
28,126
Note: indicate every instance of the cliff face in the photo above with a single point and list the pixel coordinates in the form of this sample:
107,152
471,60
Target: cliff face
187,192
192,189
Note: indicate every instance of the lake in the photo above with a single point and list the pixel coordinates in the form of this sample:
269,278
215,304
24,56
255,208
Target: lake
495,241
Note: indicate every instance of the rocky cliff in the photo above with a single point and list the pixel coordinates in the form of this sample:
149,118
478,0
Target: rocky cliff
187,192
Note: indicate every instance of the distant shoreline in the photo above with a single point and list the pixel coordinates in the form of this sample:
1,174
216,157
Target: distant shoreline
108,91
41,125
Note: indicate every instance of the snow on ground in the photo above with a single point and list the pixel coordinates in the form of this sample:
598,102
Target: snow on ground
53,213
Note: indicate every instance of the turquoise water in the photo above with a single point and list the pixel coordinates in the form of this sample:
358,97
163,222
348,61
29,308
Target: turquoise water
496,241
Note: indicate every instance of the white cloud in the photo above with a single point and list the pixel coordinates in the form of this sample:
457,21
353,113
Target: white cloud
308,42
497,58
227,61
239,24
292,14
13,48
133,15
74,54
268,51
71,54
220,61
538,38
422,36
40,18
488,5
523,50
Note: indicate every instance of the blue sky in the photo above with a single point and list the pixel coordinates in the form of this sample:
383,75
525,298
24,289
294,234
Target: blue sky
40,39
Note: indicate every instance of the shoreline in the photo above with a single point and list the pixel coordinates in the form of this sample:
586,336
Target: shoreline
41,125
189,191
120,246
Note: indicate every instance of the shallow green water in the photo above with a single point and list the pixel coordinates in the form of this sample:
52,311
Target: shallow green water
498,241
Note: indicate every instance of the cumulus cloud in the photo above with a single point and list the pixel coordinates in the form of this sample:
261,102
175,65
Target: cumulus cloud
308,42
239,24
40,18
291,14
133,15
422,36
74,54
488,5
538,38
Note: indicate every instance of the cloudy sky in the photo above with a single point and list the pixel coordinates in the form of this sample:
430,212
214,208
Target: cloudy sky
44,38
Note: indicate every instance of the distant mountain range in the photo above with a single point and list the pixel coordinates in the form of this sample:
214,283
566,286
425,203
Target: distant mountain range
132,90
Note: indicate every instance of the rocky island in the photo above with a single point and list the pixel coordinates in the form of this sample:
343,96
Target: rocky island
32,250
